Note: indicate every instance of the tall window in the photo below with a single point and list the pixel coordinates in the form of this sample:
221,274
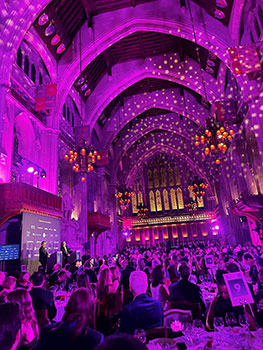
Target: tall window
26,65
158,201
19,57
173,199
40,78
33,73
134,203
170,177
180,198
156,178
177,177
163,178
150,179
166,200
140,198
152,201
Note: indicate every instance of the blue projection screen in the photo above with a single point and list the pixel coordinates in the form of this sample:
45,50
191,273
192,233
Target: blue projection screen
35,229
9,252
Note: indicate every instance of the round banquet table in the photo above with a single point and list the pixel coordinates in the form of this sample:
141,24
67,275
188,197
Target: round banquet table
231,339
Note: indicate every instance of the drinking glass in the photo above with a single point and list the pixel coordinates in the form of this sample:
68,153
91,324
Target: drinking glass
188,332
197,327
231,320
219,326
140,335
242,320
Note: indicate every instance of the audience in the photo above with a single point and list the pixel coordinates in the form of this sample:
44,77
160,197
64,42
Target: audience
29,326
76,331
10,326
121,342
144,311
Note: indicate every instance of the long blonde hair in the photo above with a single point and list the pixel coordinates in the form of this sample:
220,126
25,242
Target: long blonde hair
105,280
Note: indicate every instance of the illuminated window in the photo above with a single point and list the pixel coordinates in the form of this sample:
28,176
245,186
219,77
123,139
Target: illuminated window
33,73
152,201
156,178
150,179
19,57
257,28
166,200
158,200
180,198
200,202
134,203
173,199
26,65
140,198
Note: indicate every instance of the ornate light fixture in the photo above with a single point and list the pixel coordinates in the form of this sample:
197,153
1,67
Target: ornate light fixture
82,159
141,211
215,139
124,195
198,187
192,206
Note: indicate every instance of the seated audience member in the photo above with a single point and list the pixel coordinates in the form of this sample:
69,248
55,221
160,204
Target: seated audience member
76,331
53,278
222,304
143,312
116,278
84,282
64,281
10,326
251,262
88,270
23,281
159,289
42,299
8,285
183,290
29,327
121,342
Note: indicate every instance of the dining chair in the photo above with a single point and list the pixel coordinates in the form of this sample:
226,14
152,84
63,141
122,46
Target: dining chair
175,315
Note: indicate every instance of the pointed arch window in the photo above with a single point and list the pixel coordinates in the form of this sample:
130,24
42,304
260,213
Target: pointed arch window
173,199
134,203
26,65
163,178
152,201
200,202
166,200
177,177
40,78
33,73
158,200
140,198
180,198
156,178
150,179
170,177
19,57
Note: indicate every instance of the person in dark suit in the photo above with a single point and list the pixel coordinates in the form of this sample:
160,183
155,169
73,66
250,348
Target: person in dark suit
65,253
144,311
185,290
42,299
43,255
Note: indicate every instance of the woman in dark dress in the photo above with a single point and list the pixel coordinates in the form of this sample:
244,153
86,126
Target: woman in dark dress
76,331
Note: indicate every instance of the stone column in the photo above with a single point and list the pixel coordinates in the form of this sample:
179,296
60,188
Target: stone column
4,86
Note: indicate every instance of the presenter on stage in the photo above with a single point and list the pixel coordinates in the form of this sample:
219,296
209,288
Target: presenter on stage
65,253
43,255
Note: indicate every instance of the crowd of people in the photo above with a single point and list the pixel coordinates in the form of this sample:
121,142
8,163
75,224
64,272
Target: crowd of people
121,293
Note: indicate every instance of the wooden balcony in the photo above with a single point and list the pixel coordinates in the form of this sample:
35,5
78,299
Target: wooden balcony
98,222
18,197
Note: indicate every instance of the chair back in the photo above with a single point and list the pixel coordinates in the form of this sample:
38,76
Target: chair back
175,315
195,308
154,333
42,318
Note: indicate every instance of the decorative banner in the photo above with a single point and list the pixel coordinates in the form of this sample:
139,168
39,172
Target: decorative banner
245,59
45,97
238,289
226,111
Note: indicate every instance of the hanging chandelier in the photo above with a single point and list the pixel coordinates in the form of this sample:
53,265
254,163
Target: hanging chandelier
215,139
83,159
192,207
141,211
198,187
124,195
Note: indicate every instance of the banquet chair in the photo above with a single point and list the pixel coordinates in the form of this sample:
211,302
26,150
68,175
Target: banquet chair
157,332
175,315
195,308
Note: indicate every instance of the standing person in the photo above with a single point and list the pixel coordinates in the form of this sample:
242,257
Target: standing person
43,255
65,253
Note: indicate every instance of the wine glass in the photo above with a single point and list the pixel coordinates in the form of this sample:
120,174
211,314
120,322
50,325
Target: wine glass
198,327
231,320
242,320
218,326
140,335
188,332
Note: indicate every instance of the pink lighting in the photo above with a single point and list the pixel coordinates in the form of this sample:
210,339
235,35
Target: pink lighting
49,30
55,40
43,19
61,48
216,227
